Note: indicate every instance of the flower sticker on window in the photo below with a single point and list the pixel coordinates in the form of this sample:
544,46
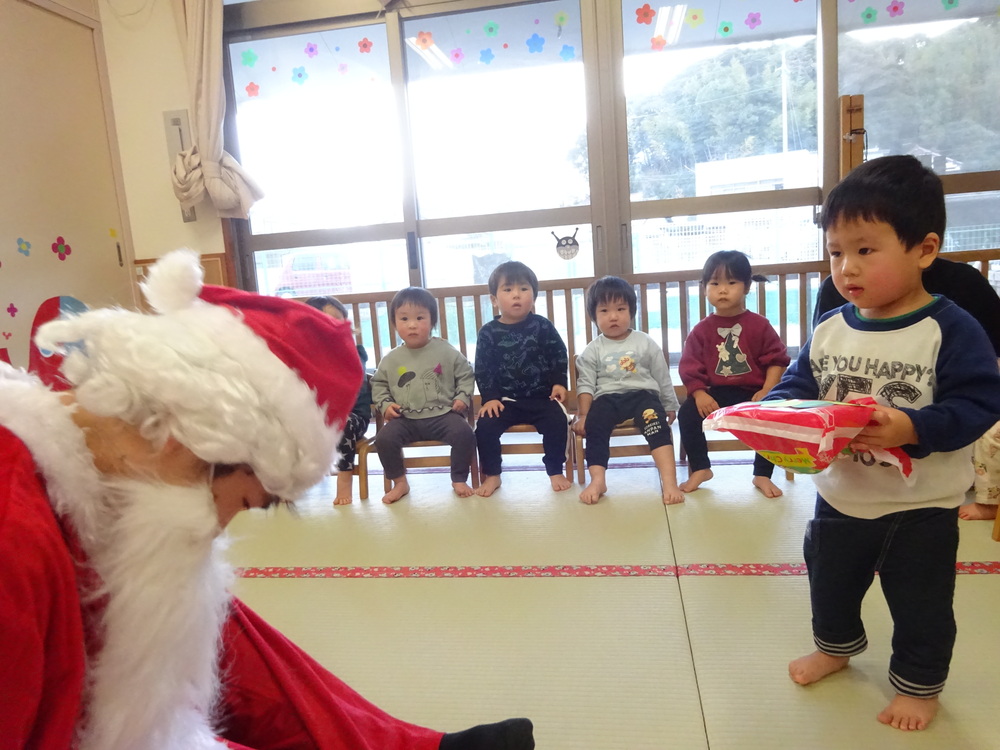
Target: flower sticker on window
60,248
249,57
644,14
456,55
753,20
562,18
895,8
425,39
869,15
725,28
695,18
492,28
567,53
252,89
535,43
342,68
11,310
486,56
657,43
23,247
365,46
299,75
311,50
949,4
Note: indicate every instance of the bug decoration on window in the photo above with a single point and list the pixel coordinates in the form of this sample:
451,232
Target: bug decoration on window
567,247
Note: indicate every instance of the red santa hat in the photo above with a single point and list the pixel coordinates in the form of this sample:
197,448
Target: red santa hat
236,377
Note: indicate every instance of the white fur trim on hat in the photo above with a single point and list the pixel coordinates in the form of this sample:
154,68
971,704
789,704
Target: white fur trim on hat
198,373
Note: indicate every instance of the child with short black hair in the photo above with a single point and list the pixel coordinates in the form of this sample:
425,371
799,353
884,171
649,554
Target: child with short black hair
622,374
521,366
932,370
732,355
361,415
422,388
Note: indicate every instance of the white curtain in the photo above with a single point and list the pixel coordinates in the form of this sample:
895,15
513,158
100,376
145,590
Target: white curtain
204,169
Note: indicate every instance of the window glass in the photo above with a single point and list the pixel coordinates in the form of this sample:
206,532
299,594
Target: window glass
682,243
332,269
930,73
317,129
497,110
458,260
728,90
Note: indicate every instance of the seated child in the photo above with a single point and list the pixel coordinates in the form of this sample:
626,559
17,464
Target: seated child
521,372
986,459
360,416
422,389
621,375
731,356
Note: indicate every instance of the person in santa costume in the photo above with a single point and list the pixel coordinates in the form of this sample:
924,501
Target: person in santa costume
117,631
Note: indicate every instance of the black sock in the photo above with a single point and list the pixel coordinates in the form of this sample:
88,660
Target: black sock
512,734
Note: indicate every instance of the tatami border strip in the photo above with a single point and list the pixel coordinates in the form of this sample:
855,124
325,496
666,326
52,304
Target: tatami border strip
563,571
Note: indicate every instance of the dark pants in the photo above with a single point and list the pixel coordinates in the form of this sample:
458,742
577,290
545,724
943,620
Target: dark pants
354,429
643,407
543,414
914,552
451,428
693,435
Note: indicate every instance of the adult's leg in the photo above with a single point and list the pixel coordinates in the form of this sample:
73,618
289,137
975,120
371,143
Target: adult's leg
276,697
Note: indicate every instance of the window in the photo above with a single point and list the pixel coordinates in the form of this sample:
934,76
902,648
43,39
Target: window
930,73
427,143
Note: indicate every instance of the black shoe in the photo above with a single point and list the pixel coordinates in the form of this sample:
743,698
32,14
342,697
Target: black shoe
512,734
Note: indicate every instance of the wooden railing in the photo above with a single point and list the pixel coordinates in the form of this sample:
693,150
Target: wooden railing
669,305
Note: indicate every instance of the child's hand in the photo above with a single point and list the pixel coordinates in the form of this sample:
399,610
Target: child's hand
579,425
760,394
888,428
493,407
706,404
459,406
559,393
392,411
671,416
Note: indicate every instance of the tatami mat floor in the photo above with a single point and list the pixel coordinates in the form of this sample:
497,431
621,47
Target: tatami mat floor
620,626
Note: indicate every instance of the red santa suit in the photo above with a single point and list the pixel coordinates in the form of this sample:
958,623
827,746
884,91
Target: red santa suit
273,695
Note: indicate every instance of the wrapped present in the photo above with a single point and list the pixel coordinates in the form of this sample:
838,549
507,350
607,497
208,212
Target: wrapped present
801,435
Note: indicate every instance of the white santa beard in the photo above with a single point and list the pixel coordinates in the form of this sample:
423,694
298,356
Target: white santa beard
154,682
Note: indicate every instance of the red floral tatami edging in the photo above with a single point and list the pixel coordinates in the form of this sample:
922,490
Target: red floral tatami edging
563,571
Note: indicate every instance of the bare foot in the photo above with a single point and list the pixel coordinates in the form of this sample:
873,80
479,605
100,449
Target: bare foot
767,487
672,494
345,491
814,667
488,486
462,489
400,487
977,512
695,480
593,491
908,713
560,482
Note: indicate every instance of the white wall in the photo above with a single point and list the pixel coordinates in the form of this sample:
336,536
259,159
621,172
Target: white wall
146,70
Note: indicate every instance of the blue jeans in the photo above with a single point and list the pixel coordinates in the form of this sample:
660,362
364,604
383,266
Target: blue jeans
914,553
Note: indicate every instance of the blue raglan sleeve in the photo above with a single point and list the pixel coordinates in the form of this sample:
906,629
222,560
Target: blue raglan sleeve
798,380
966,392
